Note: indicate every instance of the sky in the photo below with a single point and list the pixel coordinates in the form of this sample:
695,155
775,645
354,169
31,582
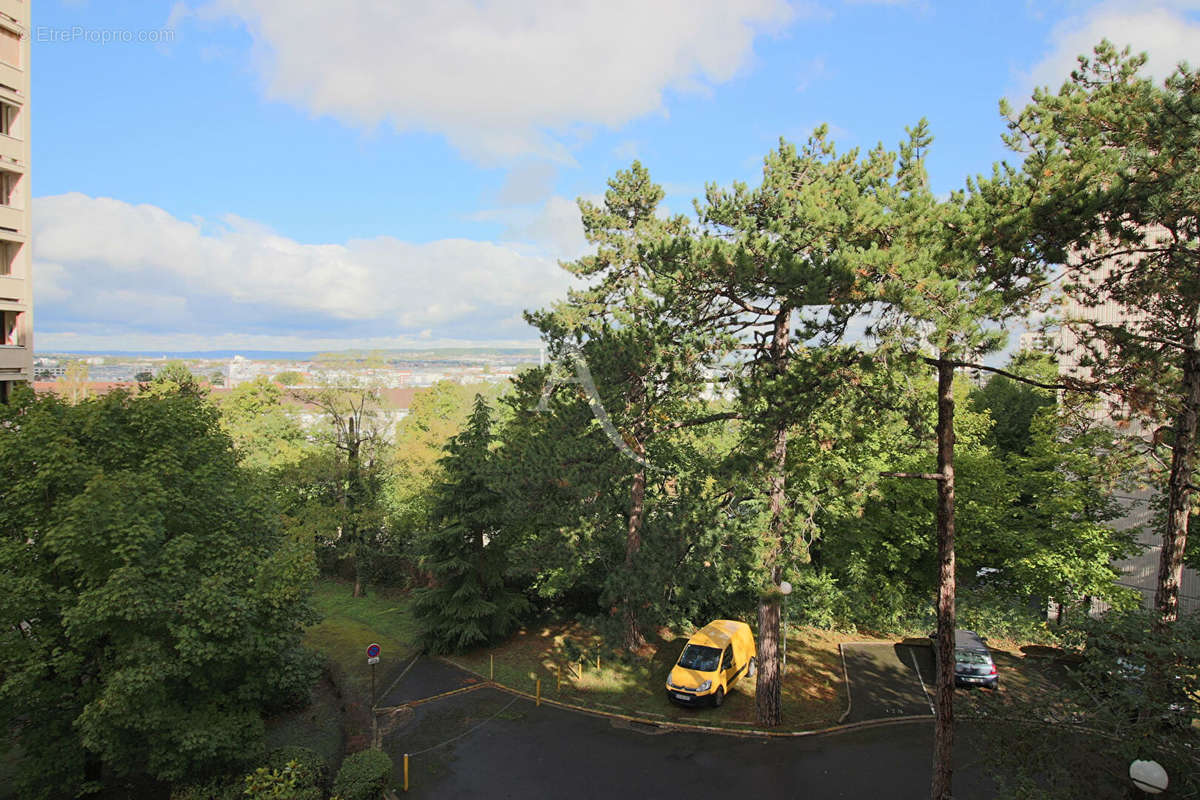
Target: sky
300,175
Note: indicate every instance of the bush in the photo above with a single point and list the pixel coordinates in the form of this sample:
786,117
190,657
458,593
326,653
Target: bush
308,765
363,776
280,784
819,600
220,789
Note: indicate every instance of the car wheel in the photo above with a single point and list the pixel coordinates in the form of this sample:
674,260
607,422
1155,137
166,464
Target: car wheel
752,667
719,697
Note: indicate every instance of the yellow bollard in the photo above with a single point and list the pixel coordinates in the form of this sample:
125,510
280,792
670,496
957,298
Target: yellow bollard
539,691
597,662
491,667
406,772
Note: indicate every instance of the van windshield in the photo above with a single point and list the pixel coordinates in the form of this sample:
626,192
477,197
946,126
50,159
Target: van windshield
700,658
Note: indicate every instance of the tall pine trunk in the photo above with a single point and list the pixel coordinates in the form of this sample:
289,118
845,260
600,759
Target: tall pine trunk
1183,465
634,640
769,688
943,729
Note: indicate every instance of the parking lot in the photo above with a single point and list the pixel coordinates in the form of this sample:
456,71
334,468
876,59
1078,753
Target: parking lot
887,680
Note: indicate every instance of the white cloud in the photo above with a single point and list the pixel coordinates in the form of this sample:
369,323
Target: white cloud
1160,29
500,78
112,267
527,183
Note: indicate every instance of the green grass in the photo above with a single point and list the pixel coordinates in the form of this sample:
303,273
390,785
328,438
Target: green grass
349,624
813,691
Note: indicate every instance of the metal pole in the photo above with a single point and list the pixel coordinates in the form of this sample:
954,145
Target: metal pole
406,772
372,687
783,605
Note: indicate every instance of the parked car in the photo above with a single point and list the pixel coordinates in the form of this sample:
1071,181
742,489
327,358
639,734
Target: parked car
712,661
973,664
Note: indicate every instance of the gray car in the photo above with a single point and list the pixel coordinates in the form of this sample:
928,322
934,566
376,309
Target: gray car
973,665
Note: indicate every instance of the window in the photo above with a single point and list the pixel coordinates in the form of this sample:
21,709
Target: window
8,187
8,256
11,329
8,119
727,662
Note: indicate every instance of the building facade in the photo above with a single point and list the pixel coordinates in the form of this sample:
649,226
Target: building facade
16,256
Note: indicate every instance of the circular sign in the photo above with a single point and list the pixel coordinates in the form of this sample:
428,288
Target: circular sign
785,588
372,650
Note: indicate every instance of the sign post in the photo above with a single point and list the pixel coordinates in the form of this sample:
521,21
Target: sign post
373,659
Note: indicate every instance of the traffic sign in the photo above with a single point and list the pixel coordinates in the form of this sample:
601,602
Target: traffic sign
372,653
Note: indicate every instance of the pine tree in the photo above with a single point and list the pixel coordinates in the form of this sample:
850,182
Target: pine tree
469,603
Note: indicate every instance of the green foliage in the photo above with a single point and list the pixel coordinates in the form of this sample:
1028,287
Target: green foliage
1012,404
289,378
265,433
156,611
289,782
468,603
175,378
307,765
1133,693
363,776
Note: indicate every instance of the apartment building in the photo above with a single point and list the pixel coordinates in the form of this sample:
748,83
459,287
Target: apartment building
16,257
1140,571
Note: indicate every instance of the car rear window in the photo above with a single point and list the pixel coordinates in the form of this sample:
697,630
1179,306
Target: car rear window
972,657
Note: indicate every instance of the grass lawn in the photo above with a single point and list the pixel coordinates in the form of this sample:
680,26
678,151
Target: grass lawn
349,624
813,691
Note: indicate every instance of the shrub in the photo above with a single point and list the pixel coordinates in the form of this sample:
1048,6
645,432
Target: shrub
280,784
308,765
363,776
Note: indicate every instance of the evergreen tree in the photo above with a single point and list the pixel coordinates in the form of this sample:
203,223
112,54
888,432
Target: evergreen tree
469,603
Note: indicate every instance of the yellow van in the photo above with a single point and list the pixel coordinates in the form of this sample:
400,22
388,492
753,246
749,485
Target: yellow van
712,661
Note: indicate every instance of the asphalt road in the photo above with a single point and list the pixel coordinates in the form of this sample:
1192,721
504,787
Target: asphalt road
886,680
487,743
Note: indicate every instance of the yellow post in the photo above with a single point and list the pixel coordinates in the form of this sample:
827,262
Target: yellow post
539,691
491,667
406,772
597,662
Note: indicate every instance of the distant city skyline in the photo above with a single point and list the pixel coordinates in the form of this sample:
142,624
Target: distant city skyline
243,175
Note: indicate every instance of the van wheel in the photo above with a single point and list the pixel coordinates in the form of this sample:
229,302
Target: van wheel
752,667
719,697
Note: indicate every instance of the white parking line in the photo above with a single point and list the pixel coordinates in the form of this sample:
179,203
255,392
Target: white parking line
913,655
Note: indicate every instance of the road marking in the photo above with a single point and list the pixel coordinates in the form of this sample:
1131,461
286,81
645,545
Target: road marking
401,676
846,677
912,653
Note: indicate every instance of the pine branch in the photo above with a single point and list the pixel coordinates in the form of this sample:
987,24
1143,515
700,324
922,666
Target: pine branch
1072,385
688,423
925,476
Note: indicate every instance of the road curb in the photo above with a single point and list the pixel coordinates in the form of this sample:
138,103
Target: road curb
690,727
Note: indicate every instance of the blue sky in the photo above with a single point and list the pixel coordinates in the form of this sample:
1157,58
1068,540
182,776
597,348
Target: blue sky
302,175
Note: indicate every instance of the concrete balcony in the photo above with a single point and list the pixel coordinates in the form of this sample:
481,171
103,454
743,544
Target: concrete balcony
13,219
13,357
12,77
12,288
12,152
16,9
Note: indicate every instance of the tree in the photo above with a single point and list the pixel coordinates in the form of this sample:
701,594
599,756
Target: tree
176,378
152,609
770,277
355,433
74,381
468,604
943,279
626,328
1077,741
265,433
1114,158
